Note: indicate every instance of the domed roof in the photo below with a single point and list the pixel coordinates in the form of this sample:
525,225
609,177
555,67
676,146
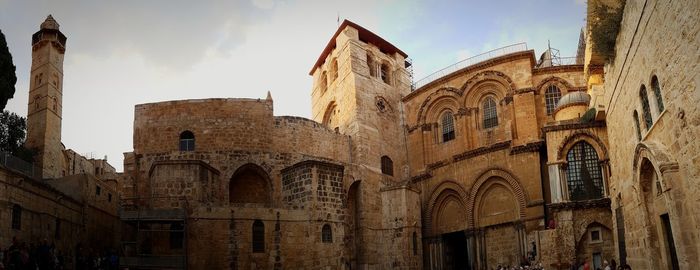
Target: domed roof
578,97
50,23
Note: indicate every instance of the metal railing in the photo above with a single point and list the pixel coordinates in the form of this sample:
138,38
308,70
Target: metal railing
518,47
559,61
19,165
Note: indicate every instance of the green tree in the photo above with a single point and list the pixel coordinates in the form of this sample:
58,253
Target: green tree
13,134
7,73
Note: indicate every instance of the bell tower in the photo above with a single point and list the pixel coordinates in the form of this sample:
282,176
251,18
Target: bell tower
46,98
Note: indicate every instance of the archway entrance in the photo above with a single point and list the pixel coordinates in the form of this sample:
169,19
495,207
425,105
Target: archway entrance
456,251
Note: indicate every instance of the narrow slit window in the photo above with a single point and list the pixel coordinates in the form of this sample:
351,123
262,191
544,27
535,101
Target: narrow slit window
646,112
636,125
326,234
258,236
657,93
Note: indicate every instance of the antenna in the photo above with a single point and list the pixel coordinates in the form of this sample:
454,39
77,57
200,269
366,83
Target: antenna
337,19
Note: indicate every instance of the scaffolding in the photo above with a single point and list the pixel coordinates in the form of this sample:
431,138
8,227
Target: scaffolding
153,236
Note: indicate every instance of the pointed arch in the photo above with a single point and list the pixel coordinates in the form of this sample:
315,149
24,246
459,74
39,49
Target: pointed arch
329,115
582,135
646,111
446,192
435,103
657,93
488,178
250,184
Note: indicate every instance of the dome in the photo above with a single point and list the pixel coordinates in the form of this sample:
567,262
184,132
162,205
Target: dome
573,98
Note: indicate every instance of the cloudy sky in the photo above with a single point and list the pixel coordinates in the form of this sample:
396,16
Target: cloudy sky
123,53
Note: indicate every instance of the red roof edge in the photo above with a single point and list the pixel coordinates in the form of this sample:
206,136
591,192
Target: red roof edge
365,36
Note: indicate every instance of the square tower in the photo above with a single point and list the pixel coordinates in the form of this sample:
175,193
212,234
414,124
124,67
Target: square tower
46,98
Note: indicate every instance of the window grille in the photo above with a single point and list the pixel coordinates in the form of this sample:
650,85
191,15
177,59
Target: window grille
186,141
326,234
584,175
645,107
448,127
657,92
552,96
490,113
387,166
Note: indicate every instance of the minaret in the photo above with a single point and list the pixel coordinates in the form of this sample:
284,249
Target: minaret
46,98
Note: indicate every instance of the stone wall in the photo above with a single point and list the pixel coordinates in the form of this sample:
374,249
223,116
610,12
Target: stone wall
657,38
48,213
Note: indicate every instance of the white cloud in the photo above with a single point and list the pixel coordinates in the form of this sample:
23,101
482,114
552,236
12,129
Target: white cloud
264,4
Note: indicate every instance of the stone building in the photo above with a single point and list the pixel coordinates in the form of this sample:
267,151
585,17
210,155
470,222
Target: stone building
650,92
463,172
66,198
500,159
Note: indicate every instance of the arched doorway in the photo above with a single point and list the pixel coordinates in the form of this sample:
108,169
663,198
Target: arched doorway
657,219
249,184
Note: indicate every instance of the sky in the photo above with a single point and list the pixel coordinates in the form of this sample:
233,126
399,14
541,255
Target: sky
123,53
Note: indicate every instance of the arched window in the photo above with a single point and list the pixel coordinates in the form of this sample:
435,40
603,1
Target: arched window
386,74
448,127
552,96
646,113
323,82
636,125
326,234
387,166
334,70
584,175
371,66
490,113
16,217
258,236
186,141
415,243
657,92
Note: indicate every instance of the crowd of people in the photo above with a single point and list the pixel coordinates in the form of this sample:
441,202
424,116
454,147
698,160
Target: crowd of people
45,256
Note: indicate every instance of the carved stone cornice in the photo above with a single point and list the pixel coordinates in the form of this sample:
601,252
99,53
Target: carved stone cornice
529,147
573,125
481,151
576,205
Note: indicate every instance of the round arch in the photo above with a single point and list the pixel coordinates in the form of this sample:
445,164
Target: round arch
495,177
444,95
562,84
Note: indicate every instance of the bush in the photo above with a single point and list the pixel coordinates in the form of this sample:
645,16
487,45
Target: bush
604,26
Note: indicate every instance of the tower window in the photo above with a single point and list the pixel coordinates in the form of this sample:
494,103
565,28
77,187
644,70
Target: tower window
646,113
657,92
16,217
334,70
371,66
584,176
186,141
387,166
323,82
258,236
552,96
490,113
448,127
385,74
326,234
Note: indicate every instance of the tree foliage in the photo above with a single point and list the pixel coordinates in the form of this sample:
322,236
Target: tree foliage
13,134
7,73
605,25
